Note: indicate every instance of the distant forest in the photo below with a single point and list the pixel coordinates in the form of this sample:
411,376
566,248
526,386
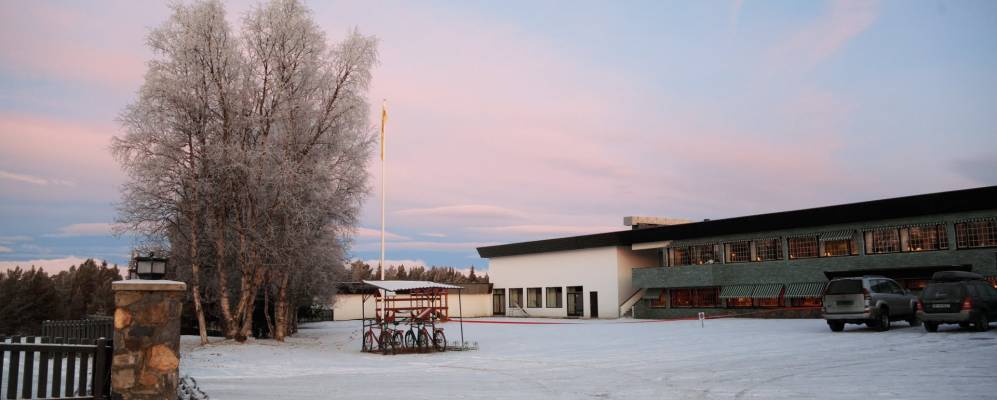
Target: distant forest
360,270
30,296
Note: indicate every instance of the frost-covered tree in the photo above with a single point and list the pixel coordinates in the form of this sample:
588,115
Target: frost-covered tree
249,151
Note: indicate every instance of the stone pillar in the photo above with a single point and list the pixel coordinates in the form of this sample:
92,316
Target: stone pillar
146,339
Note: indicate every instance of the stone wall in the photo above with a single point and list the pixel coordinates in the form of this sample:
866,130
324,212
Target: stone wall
146,339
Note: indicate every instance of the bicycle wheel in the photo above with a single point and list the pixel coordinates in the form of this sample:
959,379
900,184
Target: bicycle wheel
439,340
385,344
398,340
423,340
410,340
368,342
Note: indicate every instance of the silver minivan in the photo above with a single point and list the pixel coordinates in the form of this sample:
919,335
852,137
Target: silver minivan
870,300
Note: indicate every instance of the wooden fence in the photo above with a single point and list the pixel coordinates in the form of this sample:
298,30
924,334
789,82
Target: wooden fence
79,329
73,368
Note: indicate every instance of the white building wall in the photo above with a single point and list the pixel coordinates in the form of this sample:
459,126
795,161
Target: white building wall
596,269
347,306
628,260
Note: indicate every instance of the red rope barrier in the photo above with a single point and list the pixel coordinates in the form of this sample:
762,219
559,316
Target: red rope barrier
643,321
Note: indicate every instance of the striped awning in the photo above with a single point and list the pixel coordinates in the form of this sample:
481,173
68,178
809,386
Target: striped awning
837,235
804,290
652,293
803,235
768,291
735,291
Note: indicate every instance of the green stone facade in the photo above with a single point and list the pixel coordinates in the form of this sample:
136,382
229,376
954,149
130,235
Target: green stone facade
785,271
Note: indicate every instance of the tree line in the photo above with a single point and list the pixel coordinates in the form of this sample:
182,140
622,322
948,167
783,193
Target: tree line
245,154
360,270
30,296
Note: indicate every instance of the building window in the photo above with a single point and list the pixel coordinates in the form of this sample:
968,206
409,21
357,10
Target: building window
739,302
925,238
679,256
882,241
554,297
698,297
703,254
971,234
516,297
768,249
681,298
738,251
806,302
533,297
802,247
661,300
773,302
706,297
835,248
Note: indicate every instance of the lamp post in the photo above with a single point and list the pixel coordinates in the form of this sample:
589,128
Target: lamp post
150,267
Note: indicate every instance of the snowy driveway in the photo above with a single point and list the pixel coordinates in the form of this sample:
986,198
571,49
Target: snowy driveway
728,359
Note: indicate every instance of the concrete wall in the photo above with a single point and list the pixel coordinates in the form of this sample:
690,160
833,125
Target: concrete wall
347,306
596,269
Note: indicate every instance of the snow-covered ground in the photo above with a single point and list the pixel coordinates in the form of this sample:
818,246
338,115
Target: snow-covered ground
728,359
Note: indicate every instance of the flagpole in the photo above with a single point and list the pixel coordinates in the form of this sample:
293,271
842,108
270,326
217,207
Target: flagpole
384,115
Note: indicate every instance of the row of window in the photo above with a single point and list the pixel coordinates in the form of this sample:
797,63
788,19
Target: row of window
709,297
534,297
970,234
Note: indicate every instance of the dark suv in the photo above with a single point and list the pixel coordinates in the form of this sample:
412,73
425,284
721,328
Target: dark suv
957,297
870,300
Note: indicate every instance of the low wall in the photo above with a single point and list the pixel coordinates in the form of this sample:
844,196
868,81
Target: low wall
347,306
645,312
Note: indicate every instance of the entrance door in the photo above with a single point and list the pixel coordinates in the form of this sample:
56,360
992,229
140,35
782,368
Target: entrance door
576,307
594,304
498,302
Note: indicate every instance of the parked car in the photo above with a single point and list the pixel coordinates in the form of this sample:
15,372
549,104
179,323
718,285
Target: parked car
870,300
957,297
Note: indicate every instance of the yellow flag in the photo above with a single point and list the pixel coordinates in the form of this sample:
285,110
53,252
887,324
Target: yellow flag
384,121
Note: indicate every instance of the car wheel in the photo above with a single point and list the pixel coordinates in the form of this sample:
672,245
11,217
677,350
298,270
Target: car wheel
913,321
836,326
883,324
931,326
982,322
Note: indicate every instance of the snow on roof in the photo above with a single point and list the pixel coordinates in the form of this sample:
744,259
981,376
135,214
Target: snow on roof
395,286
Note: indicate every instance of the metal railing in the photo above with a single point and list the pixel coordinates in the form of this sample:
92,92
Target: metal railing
80,329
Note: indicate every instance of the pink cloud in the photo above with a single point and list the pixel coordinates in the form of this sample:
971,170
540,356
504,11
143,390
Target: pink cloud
39,40
54,155
367,233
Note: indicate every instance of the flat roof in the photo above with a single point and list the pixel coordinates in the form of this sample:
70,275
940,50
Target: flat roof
975,199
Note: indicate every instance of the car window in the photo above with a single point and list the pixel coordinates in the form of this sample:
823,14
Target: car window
971,291
844,286
944,291
895,287
880,286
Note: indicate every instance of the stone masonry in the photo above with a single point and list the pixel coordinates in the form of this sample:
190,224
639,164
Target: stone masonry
146,339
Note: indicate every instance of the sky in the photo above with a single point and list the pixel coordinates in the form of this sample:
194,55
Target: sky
515,121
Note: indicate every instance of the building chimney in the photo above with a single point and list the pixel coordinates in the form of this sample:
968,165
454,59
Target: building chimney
636,222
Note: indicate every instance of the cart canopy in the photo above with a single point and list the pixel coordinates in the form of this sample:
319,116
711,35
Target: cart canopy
396,286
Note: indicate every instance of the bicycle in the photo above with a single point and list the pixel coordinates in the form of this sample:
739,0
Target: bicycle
439,339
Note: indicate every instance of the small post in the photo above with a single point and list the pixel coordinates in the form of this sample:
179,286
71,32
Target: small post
702,317
460,310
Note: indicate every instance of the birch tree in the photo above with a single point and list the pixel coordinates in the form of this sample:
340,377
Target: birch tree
249,151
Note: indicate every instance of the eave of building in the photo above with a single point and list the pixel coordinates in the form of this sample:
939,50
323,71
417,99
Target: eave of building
957,201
